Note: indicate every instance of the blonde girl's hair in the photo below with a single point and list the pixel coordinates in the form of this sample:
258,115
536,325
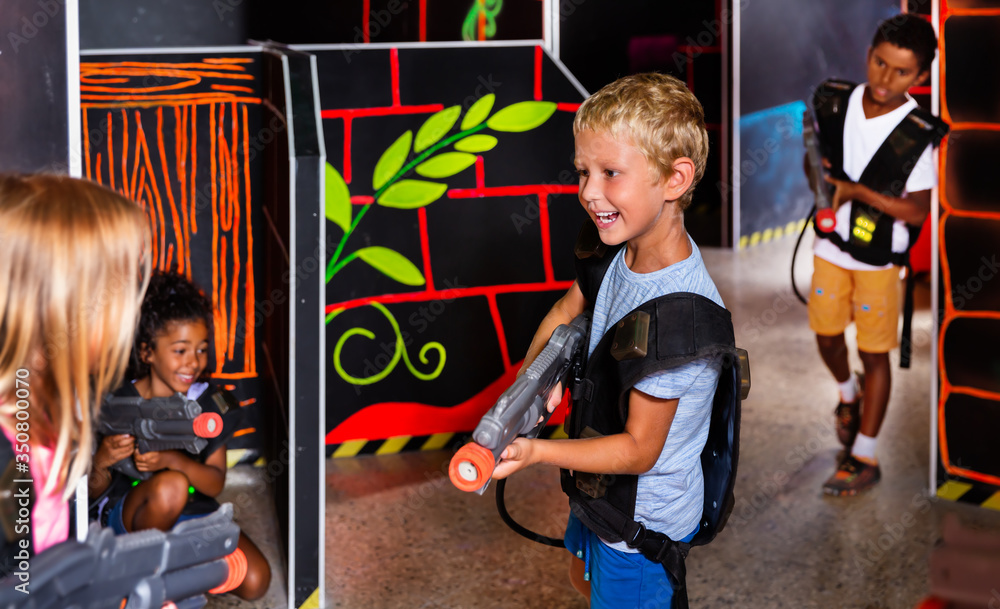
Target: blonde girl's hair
73,268
658,115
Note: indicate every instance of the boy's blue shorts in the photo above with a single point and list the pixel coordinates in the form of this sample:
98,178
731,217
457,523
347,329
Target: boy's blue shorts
619,580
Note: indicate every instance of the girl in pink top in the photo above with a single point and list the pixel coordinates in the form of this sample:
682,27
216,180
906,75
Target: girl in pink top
73,268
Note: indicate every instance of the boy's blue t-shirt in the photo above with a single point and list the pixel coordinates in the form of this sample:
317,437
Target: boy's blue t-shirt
670,496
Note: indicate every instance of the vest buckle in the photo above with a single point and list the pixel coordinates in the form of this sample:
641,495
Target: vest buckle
639,537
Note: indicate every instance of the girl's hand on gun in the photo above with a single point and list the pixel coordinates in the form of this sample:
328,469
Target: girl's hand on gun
112,450
518,455
154,461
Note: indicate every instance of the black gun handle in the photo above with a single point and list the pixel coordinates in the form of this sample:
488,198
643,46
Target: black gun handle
127,467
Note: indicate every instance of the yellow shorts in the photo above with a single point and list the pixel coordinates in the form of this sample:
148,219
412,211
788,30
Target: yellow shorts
870,298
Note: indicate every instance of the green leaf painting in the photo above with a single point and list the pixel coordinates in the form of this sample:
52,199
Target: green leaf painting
392,160
338,199
392,264
476,143
411,194
445,165
478,111
425,154
435,128
522,116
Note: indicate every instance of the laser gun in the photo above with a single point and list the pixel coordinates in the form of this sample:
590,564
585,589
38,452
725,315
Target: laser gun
143,570
171,423
826,219
519,408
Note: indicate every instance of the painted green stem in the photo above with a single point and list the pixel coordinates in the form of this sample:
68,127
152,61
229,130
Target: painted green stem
333,267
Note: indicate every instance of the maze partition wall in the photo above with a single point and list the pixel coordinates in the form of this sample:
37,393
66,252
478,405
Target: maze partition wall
451,217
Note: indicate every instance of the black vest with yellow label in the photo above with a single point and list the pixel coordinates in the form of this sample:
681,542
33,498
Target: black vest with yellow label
869,237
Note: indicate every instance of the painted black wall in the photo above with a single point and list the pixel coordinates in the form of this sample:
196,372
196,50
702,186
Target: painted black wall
119,24
33,75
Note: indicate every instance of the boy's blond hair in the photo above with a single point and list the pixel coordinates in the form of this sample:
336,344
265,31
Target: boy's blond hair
658,115
73,268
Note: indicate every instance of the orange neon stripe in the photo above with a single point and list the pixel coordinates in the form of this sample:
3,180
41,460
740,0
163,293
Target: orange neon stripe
182,178
215,245
135,162
482,21
249,344
86,145
168,184
194,75
223,151
125,185
218,87
111,155
143,91
101,81
194,168
245,403
98,170
152,214
234,219
152,103
223,312
227,60
975,127
234,375
157,200
103,66
974,12
245,431
170,254
983,394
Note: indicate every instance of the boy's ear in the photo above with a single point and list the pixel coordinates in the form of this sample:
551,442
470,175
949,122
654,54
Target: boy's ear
680,180
922,78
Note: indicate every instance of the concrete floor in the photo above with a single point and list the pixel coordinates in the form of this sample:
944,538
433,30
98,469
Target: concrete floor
400,536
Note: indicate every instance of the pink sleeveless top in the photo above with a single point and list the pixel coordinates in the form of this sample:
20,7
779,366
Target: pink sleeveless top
50,514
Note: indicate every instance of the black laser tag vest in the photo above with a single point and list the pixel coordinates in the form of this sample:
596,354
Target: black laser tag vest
870,231
658,335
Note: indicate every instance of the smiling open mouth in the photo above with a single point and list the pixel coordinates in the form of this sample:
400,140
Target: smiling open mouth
605,218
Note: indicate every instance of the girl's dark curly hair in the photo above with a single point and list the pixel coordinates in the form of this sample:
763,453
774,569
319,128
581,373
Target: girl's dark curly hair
170,297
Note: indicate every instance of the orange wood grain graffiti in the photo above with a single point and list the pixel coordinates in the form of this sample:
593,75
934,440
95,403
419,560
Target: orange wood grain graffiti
123,103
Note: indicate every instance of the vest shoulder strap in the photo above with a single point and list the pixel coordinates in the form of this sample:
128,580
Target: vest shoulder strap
593,258
830,109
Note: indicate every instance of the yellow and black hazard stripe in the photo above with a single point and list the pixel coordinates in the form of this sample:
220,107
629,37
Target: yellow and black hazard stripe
982,495
400,444
768,234
312,602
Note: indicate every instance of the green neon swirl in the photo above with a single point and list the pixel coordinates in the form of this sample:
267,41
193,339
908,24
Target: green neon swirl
399,353
490,8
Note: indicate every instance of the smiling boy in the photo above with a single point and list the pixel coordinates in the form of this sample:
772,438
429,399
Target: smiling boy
878,145
641,148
